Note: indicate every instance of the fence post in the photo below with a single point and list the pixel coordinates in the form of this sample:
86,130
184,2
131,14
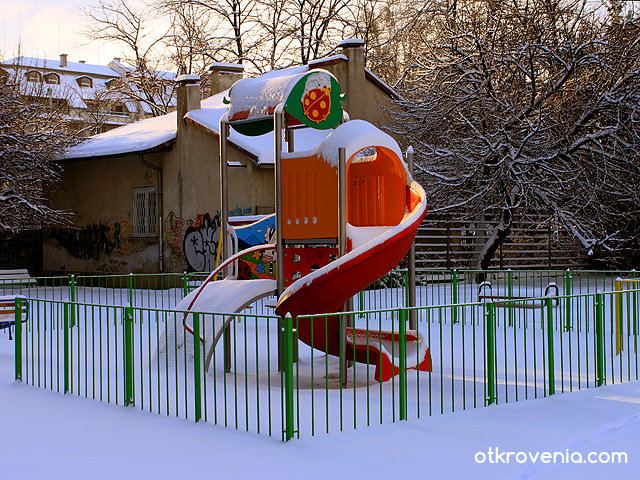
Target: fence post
454,287
185,284
288,377
491,353
128,355
65,334
196,367
618,286
567,300
130,287
550,349
18,339
599,339
72,297
402,333
510,295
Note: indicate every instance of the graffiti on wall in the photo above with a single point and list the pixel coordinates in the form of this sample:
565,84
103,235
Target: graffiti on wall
237,212
197,238
94,240
201,242
173,231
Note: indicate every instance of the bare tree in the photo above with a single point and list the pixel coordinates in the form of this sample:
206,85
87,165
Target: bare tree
316,26
145,83
531,107
32,135
275,36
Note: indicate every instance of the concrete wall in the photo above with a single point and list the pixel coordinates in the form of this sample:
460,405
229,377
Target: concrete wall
99,192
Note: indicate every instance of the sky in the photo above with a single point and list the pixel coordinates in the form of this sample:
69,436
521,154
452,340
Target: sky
34,25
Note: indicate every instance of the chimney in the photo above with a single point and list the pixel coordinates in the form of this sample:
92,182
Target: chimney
188,93
355,105
63,60
222,76
82,61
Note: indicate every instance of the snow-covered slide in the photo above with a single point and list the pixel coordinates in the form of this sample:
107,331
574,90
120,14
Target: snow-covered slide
229,296
376,248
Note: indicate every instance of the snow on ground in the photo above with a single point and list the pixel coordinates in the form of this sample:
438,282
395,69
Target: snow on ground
48,435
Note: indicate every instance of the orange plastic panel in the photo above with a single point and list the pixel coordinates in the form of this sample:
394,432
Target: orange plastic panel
309,198
299,262
376,193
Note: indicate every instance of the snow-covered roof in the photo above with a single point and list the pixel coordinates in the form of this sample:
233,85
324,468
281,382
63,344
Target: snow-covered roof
75,67
351,41
227,65
134,137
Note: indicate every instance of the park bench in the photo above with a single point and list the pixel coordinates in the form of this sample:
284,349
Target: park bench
8,312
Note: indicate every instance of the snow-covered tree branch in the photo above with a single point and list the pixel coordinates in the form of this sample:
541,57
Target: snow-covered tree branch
32,135
532,107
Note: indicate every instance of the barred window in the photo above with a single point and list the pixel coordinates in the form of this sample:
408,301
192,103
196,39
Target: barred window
144,212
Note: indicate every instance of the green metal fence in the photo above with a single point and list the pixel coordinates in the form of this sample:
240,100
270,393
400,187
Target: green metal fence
434,287
159,360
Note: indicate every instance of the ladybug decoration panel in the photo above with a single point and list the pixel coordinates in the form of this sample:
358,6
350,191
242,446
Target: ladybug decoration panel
315,100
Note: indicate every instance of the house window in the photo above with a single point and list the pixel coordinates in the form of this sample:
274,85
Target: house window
119,109
52,78
33,76
144,212
84,82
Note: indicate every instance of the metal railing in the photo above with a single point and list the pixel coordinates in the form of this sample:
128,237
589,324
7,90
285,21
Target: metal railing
494,351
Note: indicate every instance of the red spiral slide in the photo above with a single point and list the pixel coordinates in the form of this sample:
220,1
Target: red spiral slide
327,289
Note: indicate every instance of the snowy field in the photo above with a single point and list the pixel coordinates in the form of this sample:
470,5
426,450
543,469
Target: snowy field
48,435
249,397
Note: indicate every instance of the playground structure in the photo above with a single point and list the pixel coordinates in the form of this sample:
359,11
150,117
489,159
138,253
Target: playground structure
346,213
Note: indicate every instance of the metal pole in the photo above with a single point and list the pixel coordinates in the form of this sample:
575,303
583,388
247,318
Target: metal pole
278,121
289,137
197,379
128,356
550,349
18,340
224,190
342,250
290,140
491,353
567,300
412,260
599,339
224,221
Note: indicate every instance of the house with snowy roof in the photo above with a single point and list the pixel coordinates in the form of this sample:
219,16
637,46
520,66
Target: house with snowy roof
139,191
94,98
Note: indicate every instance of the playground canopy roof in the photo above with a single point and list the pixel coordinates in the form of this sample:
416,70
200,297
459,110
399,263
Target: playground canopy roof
309,97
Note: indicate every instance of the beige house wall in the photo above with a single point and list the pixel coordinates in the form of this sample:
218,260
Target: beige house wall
100,193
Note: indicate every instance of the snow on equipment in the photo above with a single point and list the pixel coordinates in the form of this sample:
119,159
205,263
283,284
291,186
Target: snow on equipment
347,212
